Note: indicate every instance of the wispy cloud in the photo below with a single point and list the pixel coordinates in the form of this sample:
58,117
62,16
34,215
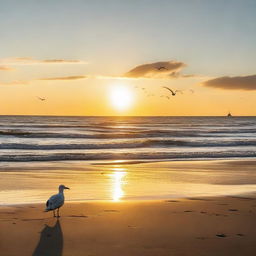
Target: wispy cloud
25,82
5,68
233,83
15,82
64,78
31,61
162,69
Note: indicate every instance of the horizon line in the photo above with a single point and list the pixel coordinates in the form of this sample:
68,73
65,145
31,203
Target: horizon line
1,115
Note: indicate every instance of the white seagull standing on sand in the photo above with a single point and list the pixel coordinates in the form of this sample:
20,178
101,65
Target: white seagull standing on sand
56,201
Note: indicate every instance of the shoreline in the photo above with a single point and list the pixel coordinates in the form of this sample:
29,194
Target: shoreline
117,181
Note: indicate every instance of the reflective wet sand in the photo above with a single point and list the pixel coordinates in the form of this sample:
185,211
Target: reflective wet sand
117,181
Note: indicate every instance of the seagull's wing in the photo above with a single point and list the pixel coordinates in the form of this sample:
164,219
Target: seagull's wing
169,89
55,202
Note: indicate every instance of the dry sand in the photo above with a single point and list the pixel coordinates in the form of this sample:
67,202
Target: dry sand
206,226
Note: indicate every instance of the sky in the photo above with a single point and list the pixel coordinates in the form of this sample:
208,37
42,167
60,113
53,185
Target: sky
114,57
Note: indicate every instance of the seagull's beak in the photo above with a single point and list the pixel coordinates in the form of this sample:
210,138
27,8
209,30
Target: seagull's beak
67,188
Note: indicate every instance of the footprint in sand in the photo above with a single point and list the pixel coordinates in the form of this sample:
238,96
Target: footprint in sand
240,234
233,210
172,201
78,216
130,226
221,235
111,211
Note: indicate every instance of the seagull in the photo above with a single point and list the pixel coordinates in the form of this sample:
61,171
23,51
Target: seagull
56,201
173,93
42,99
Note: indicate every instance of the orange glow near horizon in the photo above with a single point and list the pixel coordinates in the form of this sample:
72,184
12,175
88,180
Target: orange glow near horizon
102,97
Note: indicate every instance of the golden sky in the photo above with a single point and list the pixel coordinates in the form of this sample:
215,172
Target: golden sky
93,58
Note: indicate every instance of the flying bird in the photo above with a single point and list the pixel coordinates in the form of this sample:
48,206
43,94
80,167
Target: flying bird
56,201
172,92
42,99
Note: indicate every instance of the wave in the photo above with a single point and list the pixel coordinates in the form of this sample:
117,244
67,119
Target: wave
130,134
127,156
99,138
127,144
125,134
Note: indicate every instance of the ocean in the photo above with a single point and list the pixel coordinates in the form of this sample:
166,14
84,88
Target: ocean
125,158
57,138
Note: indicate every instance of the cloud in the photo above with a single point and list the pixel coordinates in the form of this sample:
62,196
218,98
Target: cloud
31,61
65,78
162,69
15,82
62,61
233,83
5,68
25,82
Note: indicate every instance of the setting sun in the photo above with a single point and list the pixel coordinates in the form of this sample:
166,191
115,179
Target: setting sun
121,98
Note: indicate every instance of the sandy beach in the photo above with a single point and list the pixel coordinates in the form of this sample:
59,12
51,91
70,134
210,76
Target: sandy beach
154,209
194,226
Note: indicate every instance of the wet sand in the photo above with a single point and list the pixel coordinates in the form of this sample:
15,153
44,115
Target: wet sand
22,183
192,226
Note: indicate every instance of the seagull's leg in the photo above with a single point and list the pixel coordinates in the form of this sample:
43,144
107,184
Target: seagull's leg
58,212
54,213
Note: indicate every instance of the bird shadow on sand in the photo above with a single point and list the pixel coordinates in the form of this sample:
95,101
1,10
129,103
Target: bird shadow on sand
50,242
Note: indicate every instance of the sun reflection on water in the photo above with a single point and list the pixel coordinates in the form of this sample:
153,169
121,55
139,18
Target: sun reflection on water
118,176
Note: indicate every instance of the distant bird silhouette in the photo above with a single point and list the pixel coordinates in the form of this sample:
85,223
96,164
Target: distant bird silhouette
56,201
180,91
172,92
42,99
160,68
